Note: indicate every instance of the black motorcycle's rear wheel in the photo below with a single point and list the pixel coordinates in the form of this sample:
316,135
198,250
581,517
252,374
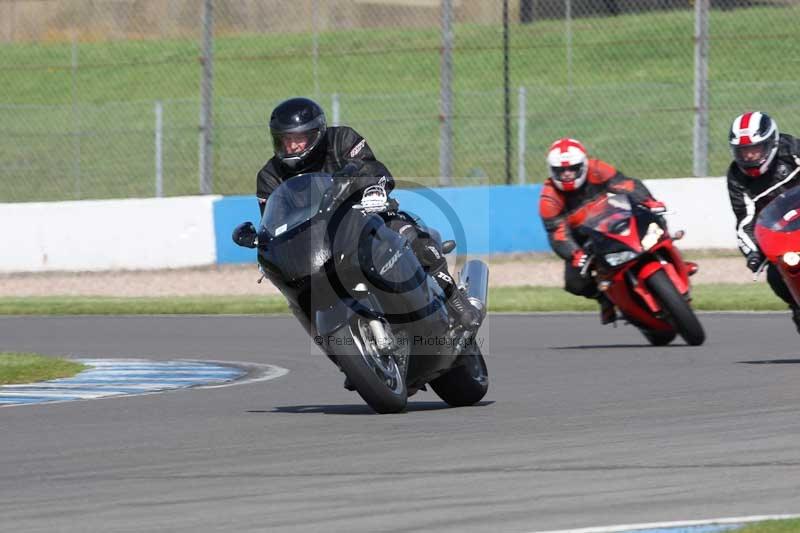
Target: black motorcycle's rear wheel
659,338
465,384
377,378
681,314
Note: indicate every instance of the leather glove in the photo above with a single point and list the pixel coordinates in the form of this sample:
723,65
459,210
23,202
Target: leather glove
340,191
754,260
245,235
654,206
579,259
349,170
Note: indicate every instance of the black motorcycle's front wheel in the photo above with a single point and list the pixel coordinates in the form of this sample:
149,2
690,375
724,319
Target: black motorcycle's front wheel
680,313
377,377
465,384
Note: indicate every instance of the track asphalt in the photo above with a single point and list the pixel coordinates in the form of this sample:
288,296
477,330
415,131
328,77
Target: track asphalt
583,425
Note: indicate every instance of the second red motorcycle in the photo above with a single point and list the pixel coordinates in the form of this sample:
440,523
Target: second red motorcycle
637,266
778,235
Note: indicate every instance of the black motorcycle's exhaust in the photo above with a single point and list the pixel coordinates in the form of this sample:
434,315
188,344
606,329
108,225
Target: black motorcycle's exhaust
474,278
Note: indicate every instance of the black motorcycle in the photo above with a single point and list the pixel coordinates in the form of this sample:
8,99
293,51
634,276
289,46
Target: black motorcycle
359,290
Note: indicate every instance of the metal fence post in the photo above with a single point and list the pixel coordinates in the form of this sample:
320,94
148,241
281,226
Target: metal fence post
521,177
335,110
568,29
506,95
76,125
315,45
206,99
446,96
700,166
159,111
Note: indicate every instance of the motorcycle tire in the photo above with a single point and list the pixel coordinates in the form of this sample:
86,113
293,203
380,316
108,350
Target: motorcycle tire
681,314
659,338
376,378
465,384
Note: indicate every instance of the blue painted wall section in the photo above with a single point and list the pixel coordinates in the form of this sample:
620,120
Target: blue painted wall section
482,220
228,213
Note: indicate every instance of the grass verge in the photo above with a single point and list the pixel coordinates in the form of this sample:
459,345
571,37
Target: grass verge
707,297
78,117
32,368
772,526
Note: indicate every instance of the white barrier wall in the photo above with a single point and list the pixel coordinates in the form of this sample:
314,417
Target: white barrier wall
107,235
701,207
180,232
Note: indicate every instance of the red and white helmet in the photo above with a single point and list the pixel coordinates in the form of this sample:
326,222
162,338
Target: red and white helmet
754,142
567,154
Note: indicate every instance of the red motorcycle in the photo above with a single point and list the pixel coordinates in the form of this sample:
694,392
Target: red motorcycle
638,268
778,235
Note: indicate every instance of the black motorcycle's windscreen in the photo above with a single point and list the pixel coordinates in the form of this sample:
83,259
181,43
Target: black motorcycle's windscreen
295,201
782,213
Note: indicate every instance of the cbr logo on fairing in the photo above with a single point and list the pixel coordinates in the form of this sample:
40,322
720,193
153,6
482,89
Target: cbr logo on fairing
391,262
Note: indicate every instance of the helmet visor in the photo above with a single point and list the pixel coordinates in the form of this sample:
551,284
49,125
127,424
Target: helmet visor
753,155
567,174
295,144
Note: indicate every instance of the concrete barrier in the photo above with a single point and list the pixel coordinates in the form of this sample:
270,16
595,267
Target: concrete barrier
196,231
505,219
107,235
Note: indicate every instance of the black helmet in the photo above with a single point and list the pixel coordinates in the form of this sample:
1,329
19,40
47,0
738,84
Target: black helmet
298,129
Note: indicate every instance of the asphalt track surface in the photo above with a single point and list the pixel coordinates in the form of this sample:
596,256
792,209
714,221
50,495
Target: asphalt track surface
583,425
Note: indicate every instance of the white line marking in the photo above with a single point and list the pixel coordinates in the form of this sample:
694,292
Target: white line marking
270,372
689,523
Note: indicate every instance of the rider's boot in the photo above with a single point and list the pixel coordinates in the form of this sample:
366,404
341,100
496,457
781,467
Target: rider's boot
608,313
466,314
431,257
796,316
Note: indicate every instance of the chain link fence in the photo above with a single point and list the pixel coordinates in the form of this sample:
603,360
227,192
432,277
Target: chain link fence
102,98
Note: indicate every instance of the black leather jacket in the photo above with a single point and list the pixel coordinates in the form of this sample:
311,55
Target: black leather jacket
342,145
749,195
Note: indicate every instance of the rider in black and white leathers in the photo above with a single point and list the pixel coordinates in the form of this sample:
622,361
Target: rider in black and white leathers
750,194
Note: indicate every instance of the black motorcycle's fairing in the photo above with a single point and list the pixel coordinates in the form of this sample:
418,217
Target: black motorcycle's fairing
297,255
334,263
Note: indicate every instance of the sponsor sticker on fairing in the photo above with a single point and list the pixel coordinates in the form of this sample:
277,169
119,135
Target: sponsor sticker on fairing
390,263
357,148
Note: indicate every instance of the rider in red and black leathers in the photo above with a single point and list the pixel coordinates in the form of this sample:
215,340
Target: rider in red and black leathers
765,164
344,153
574,182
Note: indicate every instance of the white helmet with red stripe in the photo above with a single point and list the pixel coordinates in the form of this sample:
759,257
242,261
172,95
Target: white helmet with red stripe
568,164
754,142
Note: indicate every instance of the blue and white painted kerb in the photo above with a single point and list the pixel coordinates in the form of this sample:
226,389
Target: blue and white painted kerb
715,525
120,377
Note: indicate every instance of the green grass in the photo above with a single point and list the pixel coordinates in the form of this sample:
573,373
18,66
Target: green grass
707,297
142,306
89,132
772,526
31,368
757,297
